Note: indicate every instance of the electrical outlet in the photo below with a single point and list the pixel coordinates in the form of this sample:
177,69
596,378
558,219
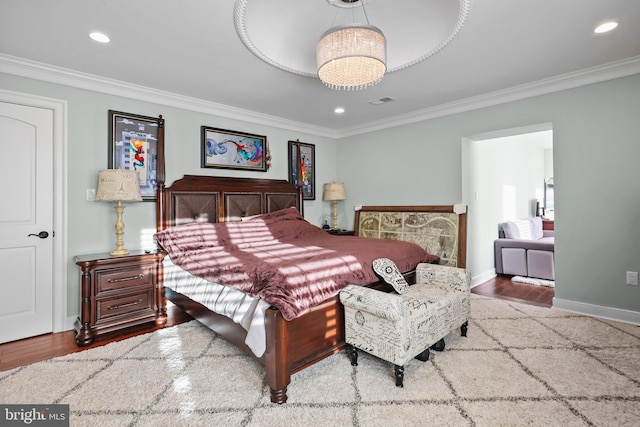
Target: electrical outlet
632,278
91,194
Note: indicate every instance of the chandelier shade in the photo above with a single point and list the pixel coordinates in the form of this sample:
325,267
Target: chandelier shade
352,57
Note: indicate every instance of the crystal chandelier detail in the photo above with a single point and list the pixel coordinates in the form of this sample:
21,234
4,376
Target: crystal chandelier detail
352,57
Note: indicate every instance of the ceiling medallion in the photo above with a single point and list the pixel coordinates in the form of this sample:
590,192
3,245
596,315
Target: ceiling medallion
285,34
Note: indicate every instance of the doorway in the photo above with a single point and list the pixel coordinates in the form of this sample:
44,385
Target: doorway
503,178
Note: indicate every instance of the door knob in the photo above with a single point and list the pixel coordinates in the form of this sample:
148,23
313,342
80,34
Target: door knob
42,235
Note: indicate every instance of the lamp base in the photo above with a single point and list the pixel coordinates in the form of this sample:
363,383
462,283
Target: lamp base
119,252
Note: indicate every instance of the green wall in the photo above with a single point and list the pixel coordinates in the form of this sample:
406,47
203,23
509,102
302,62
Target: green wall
596,151
596,154
90,225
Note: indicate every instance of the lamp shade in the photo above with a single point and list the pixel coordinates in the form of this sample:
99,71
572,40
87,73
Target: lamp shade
118,185
352,57
334,191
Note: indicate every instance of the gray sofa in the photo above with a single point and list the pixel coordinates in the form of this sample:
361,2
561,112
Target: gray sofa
525,249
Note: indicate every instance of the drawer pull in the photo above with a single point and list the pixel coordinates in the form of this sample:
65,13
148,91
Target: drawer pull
130,304
124,279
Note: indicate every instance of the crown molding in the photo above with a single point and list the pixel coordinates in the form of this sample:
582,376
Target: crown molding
64,76
587,76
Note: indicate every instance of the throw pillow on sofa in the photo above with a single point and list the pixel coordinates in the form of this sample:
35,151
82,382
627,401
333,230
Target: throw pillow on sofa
536,228
517,229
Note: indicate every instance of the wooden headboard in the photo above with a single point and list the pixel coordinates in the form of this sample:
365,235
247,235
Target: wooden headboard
438,229
221,199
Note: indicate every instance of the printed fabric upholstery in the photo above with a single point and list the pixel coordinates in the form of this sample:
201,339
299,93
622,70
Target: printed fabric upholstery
396,328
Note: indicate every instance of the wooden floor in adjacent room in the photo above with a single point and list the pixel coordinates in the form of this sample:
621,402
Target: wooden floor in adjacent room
30,350
502,287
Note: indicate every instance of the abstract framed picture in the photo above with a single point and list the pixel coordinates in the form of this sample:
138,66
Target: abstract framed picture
302,168
228,149
133,145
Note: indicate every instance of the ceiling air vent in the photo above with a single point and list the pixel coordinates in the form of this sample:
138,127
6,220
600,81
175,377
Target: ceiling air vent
381,100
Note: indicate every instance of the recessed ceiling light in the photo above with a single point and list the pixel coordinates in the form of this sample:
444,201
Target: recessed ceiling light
100,37
607,26
339,110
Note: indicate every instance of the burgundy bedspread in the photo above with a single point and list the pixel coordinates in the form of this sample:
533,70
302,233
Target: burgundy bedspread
283,259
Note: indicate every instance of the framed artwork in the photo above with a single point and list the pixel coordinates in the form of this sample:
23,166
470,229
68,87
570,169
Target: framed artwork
228,149
302,168
134,143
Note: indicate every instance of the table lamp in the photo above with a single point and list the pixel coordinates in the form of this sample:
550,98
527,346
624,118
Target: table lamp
118,185
334,191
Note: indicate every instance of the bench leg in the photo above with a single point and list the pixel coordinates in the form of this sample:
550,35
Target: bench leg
463,329
439,346
352,352
399,371
424,356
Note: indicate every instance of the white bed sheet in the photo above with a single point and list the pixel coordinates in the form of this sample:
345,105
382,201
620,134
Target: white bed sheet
238,306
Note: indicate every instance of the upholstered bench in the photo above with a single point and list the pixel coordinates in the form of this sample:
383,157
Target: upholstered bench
398,327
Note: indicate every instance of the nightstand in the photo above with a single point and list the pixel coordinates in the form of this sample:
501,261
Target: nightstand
118,292
339,232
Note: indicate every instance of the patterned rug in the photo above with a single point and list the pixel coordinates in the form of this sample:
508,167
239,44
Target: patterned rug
534,281
520,365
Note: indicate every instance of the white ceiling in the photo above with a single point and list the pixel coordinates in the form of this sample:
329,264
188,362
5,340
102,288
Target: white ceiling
189,50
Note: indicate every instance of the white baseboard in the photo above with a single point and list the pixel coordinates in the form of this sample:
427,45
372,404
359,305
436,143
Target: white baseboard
71,322
610,313
483,277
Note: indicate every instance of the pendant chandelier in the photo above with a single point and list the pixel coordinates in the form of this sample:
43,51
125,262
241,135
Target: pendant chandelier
352,56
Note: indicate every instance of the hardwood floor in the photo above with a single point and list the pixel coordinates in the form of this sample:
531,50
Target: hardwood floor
30,350
42,347
502,287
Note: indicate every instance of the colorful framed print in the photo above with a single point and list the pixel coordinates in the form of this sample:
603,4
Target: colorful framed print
302,168
134,143
228,149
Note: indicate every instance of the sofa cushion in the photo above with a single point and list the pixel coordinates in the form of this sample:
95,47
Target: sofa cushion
518,229
510,230
536,228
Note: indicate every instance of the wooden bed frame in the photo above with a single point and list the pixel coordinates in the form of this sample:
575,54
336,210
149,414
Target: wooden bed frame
290,345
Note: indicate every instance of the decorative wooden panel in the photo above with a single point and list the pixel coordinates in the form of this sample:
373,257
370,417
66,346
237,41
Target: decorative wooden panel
240,205
190,207
277,201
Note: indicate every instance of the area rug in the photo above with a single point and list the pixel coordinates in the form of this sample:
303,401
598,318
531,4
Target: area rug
534,281
520,365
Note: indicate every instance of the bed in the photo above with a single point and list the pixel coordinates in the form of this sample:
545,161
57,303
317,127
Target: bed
291,343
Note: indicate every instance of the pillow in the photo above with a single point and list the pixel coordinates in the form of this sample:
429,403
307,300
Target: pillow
536,228
518,229
510,230
250,217
524,228
279,215
187,237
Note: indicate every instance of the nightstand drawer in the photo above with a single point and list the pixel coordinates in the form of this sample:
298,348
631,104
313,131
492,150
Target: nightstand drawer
129,304
119,278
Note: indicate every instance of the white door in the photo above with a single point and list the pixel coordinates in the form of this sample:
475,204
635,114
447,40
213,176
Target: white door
26,214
